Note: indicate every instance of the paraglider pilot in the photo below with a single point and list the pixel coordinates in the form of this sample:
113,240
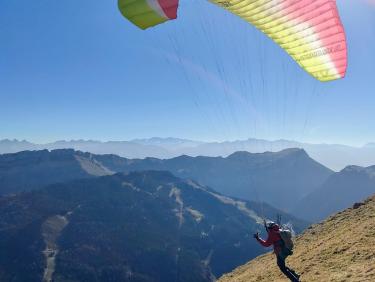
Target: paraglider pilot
281,252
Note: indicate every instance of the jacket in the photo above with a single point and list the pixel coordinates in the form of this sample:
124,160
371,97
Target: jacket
274,239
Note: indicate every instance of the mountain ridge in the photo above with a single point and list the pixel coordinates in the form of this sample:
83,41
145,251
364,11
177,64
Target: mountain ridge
278,178
339,191
30,170
335,156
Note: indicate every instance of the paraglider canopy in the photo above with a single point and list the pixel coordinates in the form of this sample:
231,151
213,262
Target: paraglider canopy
148,13
310,31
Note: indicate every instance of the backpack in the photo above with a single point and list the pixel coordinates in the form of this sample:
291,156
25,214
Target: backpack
286,236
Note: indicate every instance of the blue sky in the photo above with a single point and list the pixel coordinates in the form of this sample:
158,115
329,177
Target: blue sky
76,69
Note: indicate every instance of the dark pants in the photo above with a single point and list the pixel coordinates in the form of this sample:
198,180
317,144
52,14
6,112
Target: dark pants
287,271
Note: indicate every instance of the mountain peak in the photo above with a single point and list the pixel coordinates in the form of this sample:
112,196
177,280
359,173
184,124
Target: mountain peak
358,169
240,154
298,151
282,153
353,168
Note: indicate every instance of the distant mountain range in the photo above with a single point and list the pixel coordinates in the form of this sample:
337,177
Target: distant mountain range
141,226
342,189
334,156
280,179
289,180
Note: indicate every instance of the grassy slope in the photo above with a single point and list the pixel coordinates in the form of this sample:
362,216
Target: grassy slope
342,248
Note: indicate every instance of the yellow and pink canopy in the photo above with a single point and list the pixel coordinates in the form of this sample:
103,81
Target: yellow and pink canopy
310,31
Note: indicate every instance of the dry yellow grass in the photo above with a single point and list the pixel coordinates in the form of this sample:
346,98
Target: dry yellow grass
342,248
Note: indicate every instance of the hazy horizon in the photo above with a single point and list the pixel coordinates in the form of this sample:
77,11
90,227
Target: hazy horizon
182,139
